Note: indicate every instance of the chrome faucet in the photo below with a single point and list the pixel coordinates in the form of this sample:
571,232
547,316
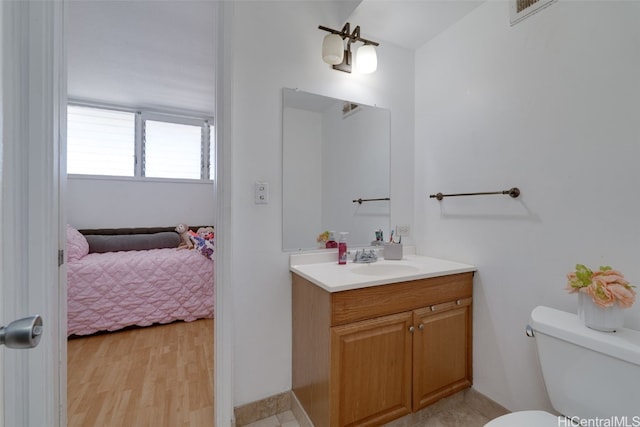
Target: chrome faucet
365,257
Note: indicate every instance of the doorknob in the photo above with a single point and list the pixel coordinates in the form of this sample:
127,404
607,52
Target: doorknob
22,333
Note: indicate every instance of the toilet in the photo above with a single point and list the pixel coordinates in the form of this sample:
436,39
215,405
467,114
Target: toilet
589,375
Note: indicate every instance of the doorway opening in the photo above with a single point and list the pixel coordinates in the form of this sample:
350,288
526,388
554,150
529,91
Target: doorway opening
153,57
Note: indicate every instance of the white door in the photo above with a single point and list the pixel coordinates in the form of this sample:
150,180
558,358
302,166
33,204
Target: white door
32,93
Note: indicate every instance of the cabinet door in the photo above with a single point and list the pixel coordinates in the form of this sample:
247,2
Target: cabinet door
371,371
441,351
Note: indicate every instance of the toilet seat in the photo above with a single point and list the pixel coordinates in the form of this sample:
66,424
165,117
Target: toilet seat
525,419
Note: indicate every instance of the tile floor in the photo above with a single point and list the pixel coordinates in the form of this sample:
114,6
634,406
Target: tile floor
462,416
450,415
284,419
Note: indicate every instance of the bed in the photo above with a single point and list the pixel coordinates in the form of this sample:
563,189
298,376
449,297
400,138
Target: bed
150,281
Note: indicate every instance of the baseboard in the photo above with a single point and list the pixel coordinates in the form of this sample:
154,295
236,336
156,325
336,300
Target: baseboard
254,411
299,412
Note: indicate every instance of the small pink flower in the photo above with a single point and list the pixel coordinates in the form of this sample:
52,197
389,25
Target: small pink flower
625,296
611,276
600,294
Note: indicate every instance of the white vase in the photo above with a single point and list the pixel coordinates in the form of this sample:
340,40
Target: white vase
605,319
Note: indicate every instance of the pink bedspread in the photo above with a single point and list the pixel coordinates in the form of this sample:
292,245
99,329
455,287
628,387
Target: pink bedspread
109,291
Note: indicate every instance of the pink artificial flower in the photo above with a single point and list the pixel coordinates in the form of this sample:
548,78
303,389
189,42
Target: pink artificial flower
611,276
624,295
573,283
606,286
600,293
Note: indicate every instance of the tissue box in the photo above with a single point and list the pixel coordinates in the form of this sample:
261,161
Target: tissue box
392,251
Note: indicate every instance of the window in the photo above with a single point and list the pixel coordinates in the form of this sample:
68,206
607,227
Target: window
100,142
104,141
171,150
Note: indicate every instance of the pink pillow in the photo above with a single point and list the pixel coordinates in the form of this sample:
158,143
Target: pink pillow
77,245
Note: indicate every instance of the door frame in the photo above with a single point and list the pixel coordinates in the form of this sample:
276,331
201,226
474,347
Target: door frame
223,359
33,97
33,43
2,62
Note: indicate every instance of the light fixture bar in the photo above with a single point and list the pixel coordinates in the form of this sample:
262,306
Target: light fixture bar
345,34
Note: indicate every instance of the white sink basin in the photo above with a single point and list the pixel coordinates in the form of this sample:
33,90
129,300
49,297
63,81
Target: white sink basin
385,270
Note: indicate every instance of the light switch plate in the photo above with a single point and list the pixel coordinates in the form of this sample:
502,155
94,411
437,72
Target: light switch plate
261,192
403,230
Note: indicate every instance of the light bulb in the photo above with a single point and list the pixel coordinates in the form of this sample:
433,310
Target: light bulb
366,59
332,49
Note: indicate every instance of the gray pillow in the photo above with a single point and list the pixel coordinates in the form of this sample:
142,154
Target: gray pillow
132,242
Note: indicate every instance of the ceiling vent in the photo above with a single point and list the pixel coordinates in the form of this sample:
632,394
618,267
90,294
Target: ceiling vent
349,108
521,9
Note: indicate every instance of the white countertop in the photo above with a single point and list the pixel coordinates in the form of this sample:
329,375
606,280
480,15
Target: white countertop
323,270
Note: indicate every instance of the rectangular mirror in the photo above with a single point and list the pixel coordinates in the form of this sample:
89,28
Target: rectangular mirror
335,152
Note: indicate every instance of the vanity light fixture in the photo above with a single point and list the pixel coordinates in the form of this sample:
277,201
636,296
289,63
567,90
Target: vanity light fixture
336,54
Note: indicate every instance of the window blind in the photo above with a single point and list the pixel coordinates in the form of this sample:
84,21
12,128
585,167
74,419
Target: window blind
100,142
172,150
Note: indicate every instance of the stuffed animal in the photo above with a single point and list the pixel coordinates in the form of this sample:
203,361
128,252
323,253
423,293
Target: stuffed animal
205,233
185,240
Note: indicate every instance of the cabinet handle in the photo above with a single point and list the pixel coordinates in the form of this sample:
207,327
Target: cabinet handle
458,302
421,326
411,328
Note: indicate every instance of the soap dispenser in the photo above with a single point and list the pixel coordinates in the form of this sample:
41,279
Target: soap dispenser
342,248
331,243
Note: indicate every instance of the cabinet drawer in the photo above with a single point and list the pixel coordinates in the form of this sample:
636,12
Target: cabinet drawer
366,303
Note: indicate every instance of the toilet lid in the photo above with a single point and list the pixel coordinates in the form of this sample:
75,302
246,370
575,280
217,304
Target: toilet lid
525,419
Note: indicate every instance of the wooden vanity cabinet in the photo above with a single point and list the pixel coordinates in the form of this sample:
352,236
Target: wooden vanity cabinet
367,356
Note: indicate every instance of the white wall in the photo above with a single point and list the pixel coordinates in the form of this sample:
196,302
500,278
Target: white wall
277,44
551,106
115,203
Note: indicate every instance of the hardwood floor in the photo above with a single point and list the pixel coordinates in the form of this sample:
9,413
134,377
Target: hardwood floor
156,376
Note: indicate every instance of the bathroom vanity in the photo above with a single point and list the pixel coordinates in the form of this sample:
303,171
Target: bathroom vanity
372,343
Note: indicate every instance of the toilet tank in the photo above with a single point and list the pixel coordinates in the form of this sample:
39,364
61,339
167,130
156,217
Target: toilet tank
588,374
